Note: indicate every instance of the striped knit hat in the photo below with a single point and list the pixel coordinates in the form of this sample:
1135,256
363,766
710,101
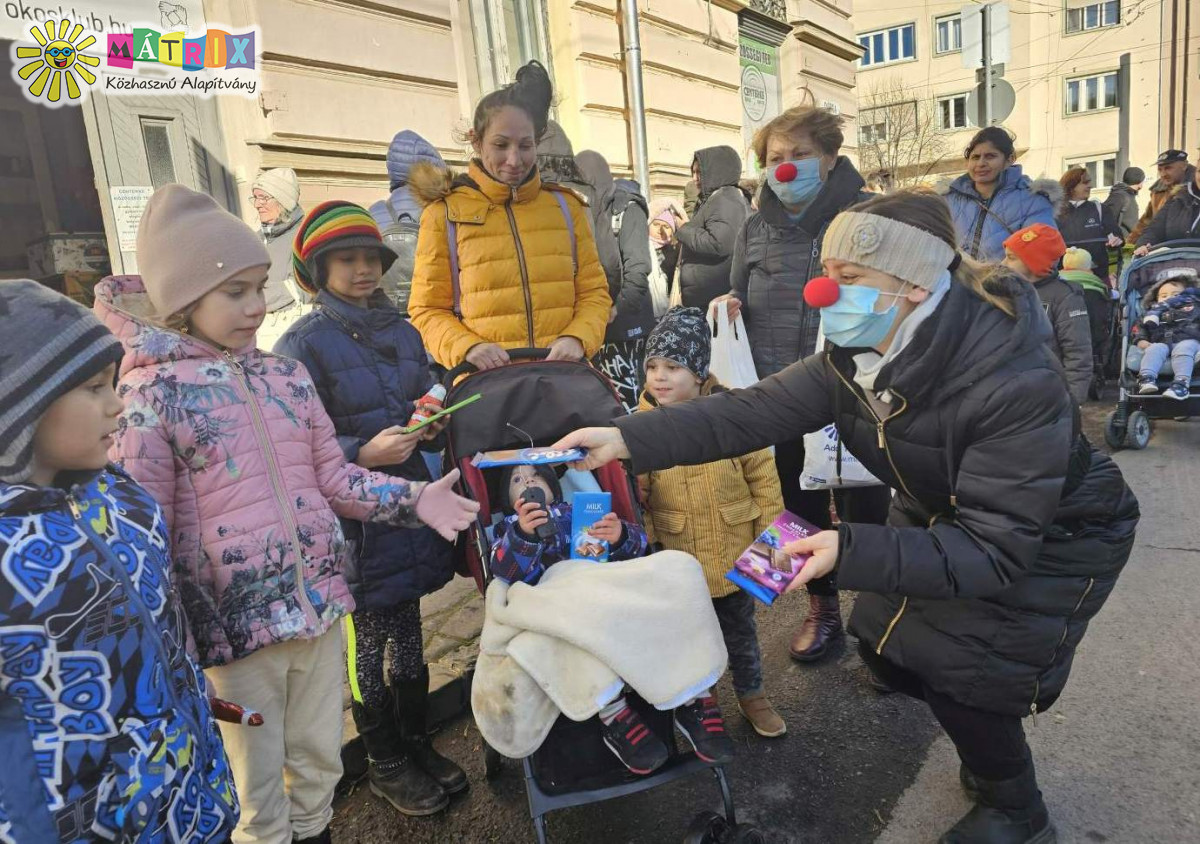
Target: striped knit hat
49,345
333,225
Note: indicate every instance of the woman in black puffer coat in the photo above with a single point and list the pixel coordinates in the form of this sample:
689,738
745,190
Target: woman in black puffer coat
1008,530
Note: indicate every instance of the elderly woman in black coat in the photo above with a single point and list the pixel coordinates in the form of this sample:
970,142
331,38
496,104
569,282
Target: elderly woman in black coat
1008,530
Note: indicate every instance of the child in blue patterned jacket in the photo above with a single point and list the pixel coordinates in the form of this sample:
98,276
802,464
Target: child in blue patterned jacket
106,730
519,554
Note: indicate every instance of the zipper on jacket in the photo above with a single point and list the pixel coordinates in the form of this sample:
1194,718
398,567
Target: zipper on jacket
277,486
880,424
1037,685
891,624
151,630
512,224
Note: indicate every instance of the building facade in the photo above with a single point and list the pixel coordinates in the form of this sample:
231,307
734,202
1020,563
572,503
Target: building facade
1103,84
338,78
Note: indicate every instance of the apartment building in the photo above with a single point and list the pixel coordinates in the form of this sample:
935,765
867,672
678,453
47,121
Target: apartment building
1098,83
338,78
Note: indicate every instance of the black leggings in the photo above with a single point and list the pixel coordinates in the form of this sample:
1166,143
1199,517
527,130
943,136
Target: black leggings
992,746
370,634
867,504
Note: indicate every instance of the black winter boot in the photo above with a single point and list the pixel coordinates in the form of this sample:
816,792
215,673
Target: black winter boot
323,837
1008,812
412,713
393,774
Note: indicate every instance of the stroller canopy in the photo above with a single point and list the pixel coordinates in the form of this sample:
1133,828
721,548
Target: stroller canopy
544,399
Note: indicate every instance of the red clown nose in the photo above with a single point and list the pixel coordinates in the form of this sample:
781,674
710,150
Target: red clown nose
785,172
821,292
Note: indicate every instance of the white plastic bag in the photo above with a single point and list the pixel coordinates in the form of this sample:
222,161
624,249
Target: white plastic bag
660,286
821,463
732,362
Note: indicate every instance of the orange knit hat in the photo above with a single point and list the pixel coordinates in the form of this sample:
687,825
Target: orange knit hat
1039,246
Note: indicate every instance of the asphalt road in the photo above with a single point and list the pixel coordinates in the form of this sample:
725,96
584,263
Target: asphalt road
1117,755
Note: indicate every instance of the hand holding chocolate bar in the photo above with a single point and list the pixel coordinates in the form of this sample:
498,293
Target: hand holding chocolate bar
822,551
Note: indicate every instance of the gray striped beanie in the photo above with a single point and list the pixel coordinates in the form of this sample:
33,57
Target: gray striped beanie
49,345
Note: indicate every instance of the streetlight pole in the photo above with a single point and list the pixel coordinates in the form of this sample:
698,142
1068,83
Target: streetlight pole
986,47
637,105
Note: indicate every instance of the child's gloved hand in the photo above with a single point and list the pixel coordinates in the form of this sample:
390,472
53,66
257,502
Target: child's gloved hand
608,529
530,516
443,509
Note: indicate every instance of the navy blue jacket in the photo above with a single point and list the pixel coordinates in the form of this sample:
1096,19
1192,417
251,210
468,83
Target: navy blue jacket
369,367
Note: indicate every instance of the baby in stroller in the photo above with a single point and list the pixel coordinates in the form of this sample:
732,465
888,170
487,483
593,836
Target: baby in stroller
535,534
1170,328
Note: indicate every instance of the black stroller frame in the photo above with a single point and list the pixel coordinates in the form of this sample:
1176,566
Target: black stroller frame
588,399
1129,424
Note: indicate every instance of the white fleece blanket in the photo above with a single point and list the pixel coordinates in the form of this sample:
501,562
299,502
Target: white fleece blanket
571,642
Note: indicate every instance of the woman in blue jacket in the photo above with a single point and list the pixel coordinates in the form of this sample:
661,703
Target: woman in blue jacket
994,199
370,368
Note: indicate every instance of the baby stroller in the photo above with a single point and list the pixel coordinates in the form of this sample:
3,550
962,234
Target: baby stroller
533,401
1129,424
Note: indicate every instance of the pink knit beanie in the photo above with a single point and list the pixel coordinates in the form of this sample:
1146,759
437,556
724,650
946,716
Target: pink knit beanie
188,246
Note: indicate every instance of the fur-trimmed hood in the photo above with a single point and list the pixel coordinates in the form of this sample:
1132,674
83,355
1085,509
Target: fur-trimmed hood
429,183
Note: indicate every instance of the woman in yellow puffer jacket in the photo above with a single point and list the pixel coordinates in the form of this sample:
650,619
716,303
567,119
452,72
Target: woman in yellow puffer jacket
527,278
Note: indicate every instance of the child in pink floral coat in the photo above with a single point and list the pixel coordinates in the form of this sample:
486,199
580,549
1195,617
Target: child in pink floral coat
236,447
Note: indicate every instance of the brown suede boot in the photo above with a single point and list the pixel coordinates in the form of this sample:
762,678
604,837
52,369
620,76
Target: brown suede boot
823,626
761,715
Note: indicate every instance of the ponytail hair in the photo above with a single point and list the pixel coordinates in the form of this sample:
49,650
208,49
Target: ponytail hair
929,212
532,92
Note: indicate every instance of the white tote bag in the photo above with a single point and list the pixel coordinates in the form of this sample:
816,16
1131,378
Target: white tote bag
732,362
660,287
821,470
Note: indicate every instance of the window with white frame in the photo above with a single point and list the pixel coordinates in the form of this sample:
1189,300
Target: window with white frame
947,32
507,34
1092,93
1102,169
872,127
885,46
1093,16
952,112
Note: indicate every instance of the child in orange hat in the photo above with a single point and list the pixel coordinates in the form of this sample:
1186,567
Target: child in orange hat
1033,253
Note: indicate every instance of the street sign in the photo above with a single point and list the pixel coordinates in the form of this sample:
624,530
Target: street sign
1004,100
972,34
997,70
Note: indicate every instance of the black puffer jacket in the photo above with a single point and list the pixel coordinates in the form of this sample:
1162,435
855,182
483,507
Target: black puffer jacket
707,240
1088,226
773,261
1004,538
1072,339
1179,219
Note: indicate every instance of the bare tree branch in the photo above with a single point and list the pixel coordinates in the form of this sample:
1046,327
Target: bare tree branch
901,141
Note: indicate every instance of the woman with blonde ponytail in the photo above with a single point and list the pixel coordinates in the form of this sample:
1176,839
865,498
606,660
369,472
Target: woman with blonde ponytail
1007,531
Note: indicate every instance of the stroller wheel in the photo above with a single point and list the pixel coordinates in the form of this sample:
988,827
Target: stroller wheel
1114,434
1137,431
493,762
707,828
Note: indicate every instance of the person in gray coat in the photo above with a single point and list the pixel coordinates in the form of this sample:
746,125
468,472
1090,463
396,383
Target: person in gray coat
1122,201
707,240
275,196
807,183
621,225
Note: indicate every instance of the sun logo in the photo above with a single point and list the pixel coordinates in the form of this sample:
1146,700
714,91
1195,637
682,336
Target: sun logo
58,59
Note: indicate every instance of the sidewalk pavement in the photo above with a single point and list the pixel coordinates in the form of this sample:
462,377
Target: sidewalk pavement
451,620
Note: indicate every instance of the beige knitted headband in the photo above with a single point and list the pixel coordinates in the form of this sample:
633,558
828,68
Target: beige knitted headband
892,247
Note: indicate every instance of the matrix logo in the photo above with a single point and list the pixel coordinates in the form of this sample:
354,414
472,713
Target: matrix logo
57,58
215,49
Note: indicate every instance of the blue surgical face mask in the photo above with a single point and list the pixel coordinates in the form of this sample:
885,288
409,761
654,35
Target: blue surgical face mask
852,322
801,189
